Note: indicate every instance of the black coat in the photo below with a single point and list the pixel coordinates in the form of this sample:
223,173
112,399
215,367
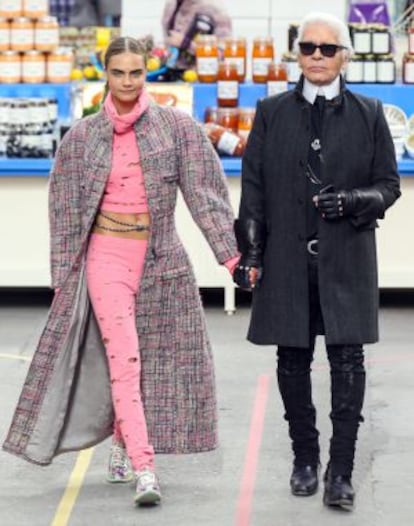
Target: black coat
358,152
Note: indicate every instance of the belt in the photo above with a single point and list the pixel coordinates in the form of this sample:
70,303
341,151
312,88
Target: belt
312,247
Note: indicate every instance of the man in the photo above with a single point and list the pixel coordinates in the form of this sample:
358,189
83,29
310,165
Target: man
183,20
318,171
81,13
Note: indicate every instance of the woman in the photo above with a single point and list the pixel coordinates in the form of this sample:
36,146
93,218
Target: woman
113,192
182,20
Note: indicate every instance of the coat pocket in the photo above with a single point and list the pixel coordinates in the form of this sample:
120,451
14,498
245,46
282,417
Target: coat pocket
175,273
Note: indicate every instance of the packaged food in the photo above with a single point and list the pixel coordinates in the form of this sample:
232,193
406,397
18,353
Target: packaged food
227,85
225,141
262,55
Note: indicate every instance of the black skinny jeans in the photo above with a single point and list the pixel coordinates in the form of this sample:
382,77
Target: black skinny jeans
347,392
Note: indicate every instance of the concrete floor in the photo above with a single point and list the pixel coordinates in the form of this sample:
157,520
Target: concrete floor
244,482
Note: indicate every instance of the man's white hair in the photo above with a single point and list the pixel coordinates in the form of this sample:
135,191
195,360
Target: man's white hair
338,26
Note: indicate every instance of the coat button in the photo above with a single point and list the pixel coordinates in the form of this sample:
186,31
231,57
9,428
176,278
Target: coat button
301,237
301,163
300,201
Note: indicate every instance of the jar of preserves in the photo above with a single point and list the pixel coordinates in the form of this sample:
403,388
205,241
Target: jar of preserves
277,80
206,51
262,55
355,70
246,117
227,85
380,40
225,141
4,34
361,35
59,65
3,144
385,69
35,8
411,40
292,67
408,68
369,69
210,114
10,67
21,34
234,52
10,8
228,118
4,114
46,34
33,67
53,110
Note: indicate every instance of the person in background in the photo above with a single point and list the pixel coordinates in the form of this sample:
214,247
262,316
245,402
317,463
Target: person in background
81,13
319,170
125,349
183,20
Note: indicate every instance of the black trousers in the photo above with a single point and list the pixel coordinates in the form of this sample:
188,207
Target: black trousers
347,392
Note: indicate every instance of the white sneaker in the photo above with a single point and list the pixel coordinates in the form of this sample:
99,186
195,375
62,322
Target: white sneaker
148,488
119,467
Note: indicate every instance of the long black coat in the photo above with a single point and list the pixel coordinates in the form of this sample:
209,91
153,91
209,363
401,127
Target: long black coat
358,152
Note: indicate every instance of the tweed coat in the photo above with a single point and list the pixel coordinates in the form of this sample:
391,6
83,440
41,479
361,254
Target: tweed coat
65,403
358,152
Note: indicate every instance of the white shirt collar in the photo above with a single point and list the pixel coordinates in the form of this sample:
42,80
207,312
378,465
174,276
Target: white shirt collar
330,91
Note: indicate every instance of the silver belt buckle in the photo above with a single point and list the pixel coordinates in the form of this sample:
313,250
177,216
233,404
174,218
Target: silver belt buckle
312,247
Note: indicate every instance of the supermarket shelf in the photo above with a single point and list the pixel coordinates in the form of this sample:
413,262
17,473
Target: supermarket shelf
25,167
231,166
62,92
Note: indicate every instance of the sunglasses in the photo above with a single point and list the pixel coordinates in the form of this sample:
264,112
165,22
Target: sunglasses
327,50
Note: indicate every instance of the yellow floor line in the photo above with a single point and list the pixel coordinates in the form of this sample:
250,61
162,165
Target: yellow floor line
15,357
68,500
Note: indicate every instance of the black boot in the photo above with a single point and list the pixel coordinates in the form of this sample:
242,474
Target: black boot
293,375
304,480
347,396
338,492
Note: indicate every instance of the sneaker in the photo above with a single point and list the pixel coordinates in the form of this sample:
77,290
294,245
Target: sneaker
119,467
148,488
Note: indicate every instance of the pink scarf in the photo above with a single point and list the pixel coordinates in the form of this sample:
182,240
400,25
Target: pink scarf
123,123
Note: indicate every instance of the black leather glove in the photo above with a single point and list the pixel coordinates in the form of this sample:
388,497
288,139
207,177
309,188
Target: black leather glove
367,201
250,242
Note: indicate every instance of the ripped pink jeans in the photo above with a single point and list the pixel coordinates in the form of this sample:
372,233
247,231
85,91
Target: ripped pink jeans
114,268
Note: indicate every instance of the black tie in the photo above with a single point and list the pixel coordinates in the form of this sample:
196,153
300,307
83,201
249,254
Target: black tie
314,183
319,104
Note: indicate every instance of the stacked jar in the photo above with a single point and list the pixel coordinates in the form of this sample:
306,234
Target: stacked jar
29,39
26,127
373,61
408,59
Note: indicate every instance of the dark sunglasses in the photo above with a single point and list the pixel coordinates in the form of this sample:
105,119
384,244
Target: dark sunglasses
327,50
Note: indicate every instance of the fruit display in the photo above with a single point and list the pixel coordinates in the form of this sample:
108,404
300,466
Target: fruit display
161,63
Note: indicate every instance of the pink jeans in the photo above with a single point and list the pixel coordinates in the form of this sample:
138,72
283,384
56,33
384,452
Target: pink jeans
114,268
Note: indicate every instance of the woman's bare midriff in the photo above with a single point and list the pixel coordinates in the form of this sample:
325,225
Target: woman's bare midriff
128,232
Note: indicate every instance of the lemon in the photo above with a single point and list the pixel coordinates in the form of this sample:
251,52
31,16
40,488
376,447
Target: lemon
76,74
190,75
153,63
89,72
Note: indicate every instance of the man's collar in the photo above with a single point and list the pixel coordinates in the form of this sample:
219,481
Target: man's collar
311,91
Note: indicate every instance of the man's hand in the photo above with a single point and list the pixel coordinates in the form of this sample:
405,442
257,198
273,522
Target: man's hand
250,242
174,39
334,205
247,277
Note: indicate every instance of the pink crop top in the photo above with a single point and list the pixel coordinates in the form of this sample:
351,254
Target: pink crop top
125,191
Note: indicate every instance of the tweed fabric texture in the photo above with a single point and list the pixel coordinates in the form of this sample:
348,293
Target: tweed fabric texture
178,385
